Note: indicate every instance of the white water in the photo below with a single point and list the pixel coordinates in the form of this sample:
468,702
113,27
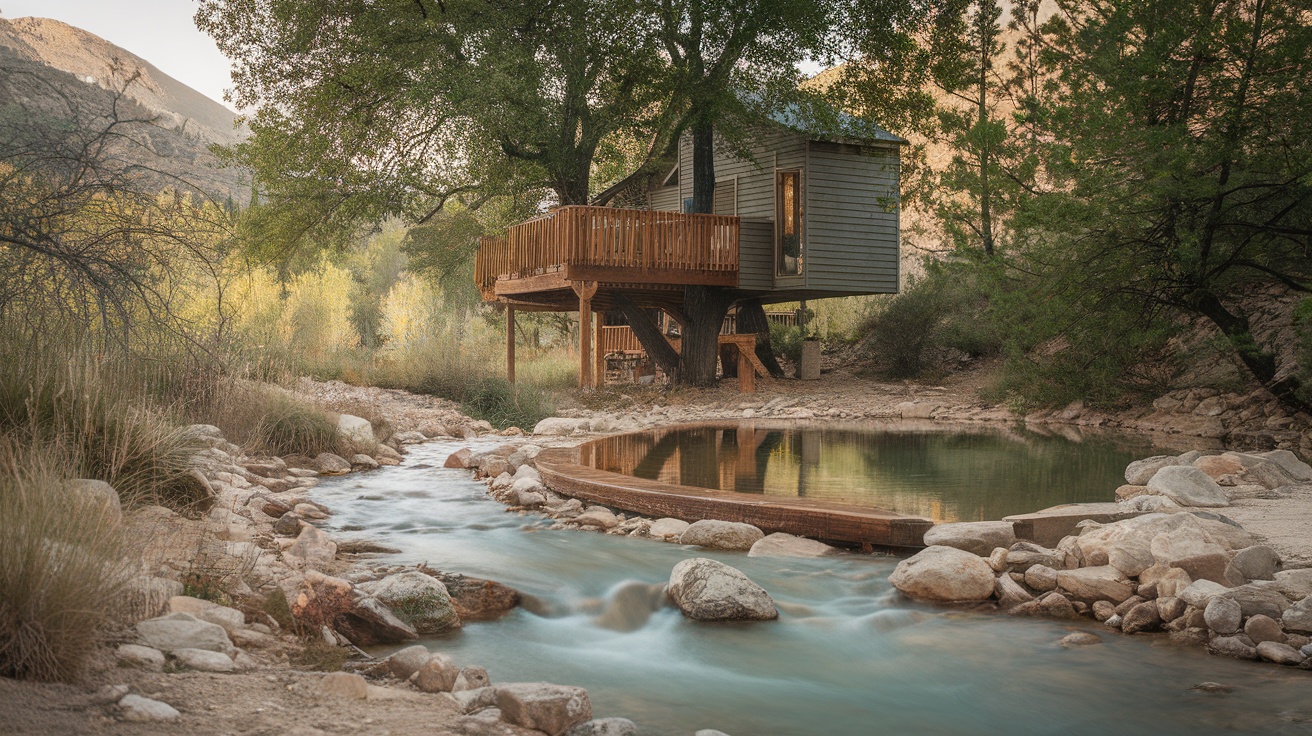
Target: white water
845,657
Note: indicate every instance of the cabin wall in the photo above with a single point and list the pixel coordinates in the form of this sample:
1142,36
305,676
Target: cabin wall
756,254
664,198
852,227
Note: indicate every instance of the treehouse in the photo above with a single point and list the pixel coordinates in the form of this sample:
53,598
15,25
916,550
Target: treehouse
802,214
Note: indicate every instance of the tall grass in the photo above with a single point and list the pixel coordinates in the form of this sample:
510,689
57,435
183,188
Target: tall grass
61,560
97,410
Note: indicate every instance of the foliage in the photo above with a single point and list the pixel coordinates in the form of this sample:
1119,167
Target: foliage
786,340
61,559
1303,328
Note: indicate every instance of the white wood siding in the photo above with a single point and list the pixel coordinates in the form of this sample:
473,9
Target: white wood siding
852,218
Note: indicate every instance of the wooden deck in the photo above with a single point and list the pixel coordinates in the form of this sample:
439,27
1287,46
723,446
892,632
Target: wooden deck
536,261
828,521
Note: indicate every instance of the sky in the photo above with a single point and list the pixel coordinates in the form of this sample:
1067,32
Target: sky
159,31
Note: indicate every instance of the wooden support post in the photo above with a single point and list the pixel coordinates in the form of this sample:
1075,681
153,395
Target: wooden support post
510,343
585,291
599,368
746,372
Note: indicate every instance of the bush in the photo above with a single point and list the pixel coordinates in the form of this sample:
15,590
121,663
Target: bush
60,561
786,340
917,331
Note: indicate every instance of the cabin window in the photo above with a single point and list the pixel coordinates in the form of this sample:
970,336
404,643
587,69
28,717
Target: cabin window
788,224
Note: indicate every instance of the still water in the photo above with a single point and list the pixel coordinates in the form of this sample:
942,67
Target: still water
847,656
940,474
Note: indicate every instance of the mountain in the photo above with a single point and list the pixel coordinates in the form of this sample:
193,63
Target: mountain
51,71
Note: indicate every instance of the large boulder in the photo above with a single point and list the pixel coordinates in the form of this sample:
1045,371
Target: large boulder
1139,472
1265,471
1298,617
313,548
787,545
94,497
356,430
476,599
552,709
204,660
1090,584
944,575
706,590
716,534
335,603
1188,486
328,463
667,529
182,631
1258,562
1291,464
418,599
977,537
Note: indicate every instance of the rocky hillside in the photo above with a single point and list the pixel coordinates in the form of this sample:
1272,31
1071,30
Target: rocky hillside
57,76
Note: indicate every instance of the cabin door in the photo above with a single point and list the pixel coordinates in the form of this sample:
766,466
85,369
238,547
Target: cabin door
789,258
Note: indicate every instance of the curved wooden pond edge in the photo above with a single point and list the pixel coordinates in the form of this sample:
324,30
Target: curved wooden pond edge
827,521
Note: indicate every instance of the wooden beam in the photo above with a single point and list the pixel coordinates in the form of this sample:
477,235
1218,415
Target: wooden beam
629,275
585,290
510,343
530,284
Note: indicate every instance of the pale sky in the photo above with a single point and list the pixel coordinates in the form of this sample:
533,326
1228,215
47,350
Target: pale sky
159,31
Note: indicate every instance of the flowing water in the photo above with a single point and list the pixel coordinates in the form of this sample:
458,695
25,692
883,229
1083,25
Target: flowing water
847,656
938,472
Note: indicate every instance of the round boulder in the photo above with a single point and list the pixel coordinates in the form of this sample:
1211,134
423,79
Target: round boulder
977,537
715,534
1188,486
706,590
418,599
944,575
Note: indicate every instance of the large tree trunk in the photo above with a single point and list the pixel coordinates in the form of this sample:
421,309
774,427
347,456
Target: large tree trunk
1260,362
649,335
703,168
704,309
752,320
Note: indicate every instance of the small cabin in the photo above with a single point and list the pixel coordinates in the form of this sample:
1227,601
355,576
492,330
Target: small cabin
799,214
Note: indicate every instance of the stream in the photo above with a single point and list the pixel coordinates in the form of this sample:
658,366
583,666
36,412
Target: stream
847,656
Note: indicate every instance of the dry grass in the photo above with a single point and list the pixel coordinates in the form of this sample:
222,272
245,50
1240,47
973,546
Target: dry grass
61,558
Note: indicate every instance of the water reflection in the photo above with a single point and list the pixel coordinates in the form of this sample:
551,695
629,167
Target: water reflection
954,475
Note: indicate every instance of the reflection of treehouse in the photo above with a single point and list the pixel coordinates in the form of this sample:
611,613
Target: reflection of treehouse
807,212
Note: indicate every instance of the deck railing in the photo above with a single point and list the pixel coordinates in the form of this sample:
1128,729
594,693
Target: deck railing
609,238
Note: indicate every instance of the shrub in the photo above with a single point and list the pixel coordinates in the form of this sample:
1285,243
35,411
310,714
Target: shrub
264,418
60,561
786,340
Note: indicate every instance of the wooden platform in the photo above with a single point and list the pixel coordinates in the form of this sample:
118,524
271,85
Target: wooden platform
824,520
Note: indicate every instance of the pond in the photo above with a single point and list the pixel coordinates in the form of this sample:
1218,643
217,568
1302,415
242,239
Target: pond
847,656
961,473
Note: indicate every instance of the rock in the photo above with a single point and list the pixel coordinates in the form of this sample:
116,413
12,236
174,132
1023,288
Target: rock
1114,622
1215,567
715,534
1213,687
552,709
916,409
706,590
329,464
406,662
1080,639
1255,599
1273,651
1150,503
1269,474
288,525
597,517
135,655
559,426
1103,610
252,639
944,574
1294,584
437,675
1090,584
1128,492
667,529
89,496
529,499
1142,617
335,603
204,660
1139,472
477,599
459,459
182,631
1188,486
1198,593
355,429
1170,608
418,599
787,545
1010,593
1289,462
138,709
1232,646
471,678
1298,617
361,460
229,618
605,727
343,685
147,596
1218,466
313,547
978,537
998,560
1023,555
710,732
1258,562
1261,628
1223,615
1056,605
471,700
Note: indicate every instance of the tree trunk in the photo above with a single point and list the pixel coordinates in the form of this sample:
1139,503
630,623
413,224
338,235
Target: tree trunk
649,335
752,320
703,168
1261,363
704,308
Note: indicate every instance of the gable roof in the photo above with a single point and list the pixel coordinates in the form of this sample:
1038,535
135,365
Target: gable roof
822,121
